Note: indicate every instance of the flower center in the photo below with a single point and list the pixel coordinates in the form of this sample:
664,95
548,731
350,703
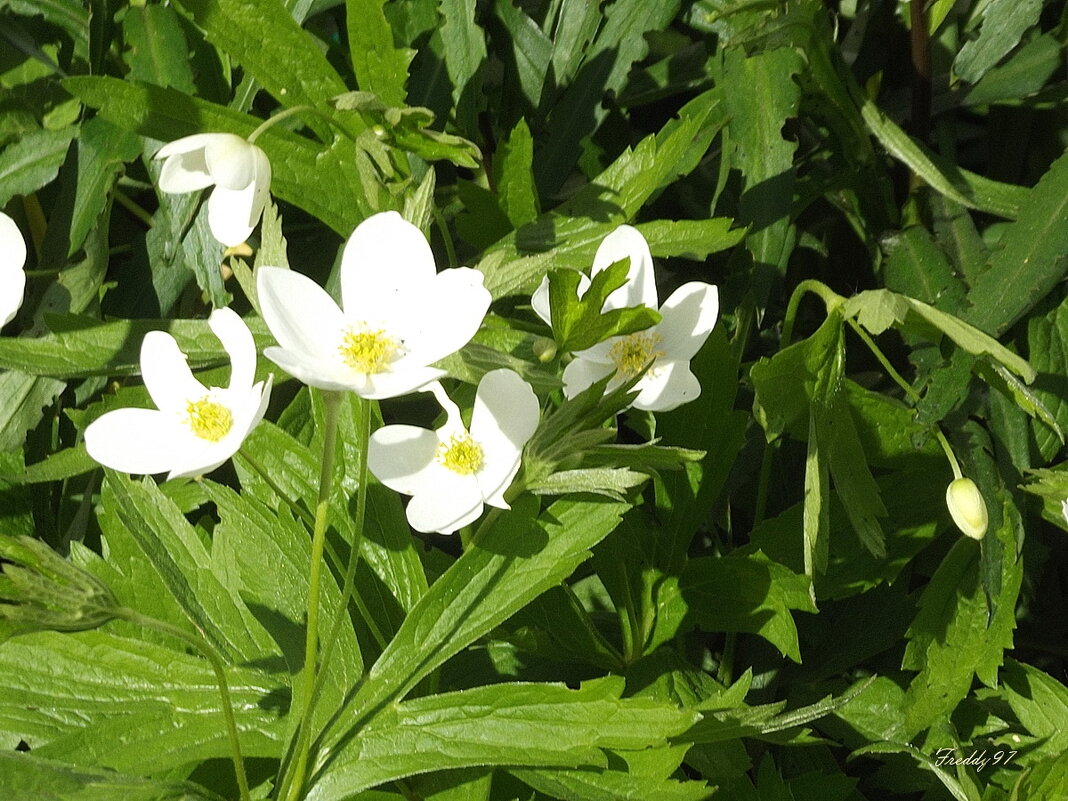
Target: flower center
208,420
367,351
461,454
631,353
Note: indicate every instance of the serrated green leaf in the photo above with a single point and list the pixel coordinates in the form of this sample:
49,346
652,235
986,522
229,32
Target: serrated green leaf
464,51
380,66
611,785
916,267
515,178
32,162
103,150
531,54
611,482
1047,347
1038,700
690,239
504,724
157,50
1032,258
25,397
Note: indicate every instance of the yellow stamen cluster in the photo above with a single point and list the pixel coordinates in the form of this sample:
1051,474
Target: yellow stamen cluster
208,420
367,351
633,352
461,454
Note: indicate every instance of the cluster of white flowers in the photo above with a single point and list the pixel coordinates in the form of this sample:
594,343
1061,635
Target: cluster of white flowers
398,317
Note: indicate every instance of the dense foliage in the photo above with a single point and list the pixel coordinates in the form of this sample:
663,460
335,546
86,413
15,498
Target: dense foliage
762,593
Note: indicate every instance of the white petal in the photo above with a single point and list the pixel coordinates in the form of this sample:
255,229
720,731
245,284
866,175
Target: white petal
301,315
142,441
402,457
237,340
230,214
261,182
689,316
315,371
402,382
505,415
668,385
451,502
12,288
12,246
442,316
640,288
581,373
385,255
539,301
231,160
185,169
167,376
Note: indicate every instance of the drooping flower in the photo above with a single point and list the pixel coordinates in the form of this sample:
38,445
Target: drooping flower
400,315
12,260
451,472
967,507
688,317
195,428
239,171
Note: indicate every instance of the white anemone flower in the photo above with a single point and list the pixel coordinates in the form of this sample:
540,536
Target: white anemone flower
195,428
451,472
688,317
400,315
12,260
239,171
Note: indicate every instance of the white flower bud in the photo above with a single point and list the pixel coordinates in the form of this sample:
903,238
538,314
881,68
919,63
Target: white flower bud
967,507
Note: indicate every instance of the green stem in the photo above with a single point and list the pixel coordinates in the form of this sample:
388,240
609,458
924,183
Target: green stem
289,112
332,402
830,298
132,207
450,249
908,389
725,673
363,435
133,616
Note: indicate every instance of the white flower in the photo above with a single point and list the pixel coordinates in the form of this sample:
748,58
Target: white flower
688,317
967,507
451,472
239,171
1064,510
12,260
400,315
196,428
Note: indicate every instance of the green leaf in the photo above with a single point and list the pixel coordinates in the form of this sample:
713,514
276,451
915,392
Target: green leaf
25,398
1045,781
515,178
264,38
610,785
30,776
761,95
508,565
185,569
878,309
32,162
1038,701
503,724
69,15
380,66
1003,24
464,53
103,150
300,168
950,782
569,235
1032,258
690,239
952,638
611,482
98,700
1047,348
580,322
917,267
1023,75
737,593
157,50
531,54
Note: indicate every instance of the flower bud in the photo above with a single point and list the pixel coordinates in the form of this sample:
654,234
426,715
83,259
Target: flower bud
967,507
544,349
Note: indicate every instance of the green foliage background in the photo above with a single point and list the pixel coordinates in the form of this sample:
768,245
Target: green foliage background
790,616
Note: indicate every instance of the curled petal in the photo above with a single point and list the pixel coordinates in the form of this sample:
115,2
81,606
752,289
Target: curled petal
504,418
231,160
582,373
237,340
167,376
689,316
627,242
316,371
384,258
231,216
185,168
142,441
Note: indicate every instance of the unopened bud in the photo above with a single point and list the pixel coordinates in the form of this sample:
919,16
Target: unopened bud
967,507
545,349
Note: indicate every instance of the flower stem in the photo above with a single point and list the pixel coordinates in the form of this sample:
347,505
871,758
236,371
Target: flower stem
450,249
133,616
127,203
289,112
332,402
830,298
